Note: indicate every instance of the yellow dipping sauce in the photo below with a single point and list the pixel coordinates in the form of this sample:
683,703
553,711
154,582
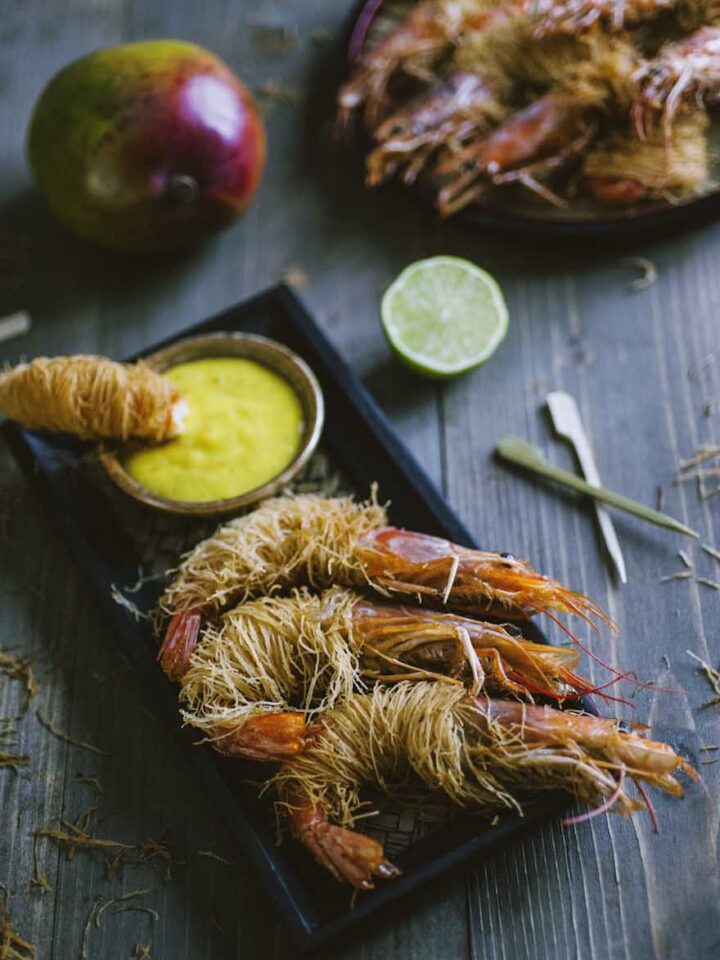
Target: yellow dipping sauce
243,427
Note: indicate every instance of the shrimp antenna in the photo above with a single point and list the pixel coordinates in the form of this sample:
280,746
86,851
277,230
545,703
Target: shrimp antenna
586,609
598,691
648,803
619,675
604,807
568,632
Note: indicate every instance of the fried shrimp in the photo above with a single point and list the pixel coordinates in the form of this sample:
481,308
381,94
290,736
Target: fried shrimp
573,16
483,754
312,540
449,114
623,170
412,48
528,93
684,74
534,143
308,653
589,77
93,398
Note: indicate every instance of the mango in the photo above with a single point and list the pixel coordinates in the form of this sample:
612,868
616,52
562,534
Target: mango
147,146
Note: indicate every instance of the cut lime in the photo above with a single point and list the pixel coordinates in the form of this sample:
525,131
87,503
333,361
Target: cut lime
444,316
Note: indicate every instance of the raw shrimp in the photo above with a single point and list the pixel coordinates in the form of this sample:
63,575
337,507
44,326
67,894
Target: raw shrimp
289,541
686,72
460,107
483,754
310,652
544,137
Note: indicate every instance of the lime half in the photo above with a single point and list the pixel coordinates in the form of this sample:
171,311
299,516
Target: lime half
444,316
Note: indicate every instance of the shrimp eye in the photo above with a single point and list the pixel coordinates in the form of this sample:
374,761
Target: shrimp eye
507,556
469,165
396,129
624,726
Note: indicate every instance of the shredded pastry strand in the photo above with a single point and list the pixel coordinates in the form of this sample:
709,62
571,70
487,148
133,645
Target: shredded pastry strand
91,397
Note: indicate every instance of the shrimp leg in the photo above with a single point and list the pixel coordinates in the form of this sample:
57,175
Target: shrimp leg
460,107
427,32
483,753
396,640
551,127
573,16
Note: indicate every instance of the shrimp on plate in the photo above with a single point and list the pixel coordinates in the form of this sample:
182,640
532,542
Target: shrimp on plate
445,117
319,542
684,74
573,16
536,142
411,49
269,663
483,754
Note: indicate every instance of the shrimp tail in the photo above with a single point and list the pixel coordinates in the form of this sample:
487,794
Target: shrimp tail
349,856
275,736
178,643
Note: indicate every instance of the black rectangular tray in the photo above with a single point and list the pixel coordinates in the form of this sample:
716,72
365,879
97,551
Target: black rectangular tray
359,440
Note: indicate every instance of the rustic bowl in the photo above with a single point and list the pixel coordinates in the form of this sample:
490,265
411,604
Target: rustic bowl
252,347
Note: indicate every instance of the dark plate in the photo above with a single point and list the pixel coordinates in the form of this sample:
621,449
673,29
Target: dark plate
111,537
519,212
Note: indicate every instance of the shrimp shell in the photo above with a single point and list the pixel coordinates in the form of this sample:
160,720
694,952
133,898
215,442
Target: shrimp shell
482,754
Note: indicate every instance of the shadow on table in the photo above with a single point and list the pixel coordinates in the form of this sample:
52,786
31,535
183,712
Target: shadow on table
208,907
50,272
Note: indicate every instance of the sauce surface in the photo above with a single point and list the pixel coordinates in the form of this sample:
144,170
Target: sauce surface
243,427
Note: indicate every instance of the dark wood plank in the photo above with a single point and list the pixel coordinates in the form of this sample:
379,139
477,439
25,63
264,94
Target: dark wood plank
626,358
607,889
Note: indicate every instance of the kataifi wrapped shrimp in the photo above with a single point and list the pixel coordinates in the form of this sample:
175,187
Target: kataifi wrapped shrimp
484,754
573,16
534,144
273,664
445,117
319,541
585,79
622,170
684,75
93,398
412,48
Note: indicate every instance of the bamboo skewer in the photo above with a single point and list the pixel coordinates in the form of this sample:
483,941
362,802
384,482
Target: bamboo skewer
524,454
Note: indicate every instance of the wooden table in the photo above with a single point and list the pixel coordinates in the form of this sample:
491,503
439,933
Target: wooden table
645,368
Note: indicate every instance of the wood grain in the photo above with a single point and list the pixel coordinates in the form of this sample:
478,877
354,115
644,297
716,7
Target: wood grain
643,366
